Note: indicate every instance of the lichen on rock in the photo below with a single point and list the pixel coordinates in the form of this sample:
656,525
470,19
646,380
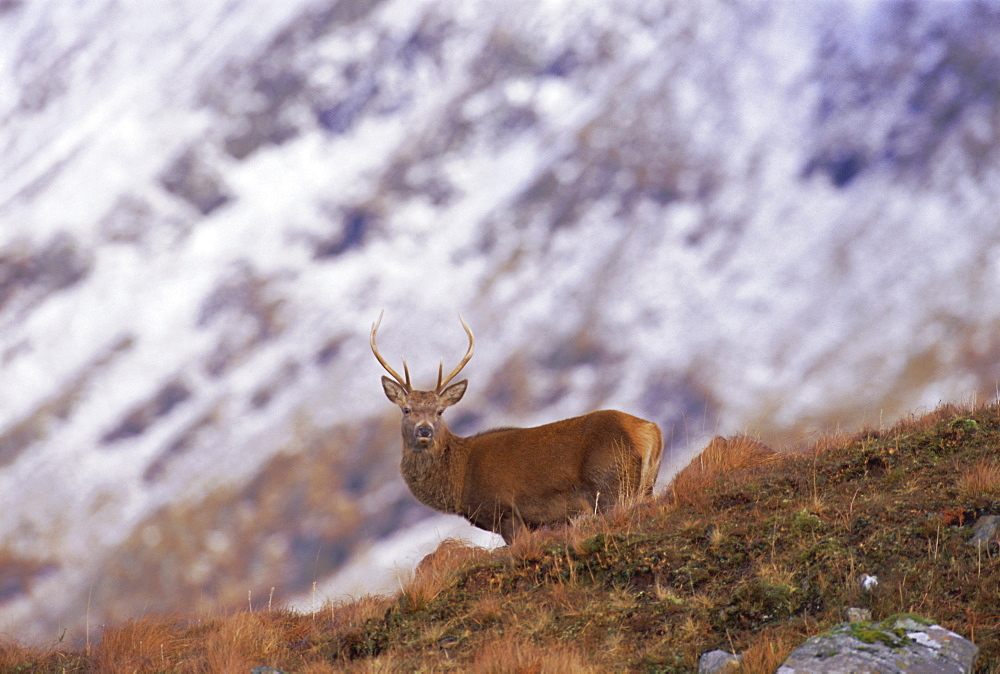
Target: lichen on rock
900,643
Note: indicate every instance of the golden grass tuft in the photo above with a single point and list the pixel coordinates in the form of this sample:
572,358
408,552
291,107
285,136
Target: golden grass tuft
244,639
512,653
348,615
15,657
437,571
149,643
721,456
486,611
775,574
769,649
980,479
450,554
531,546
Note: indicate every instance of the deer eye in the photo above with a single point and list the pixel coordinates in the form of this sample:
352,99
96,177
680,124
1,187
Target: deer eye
406,410
440,412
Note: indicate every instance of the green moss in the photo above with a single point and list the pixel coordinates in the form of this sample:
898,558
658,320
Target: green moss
896,477
871,633
887,632
804,521
594,544
759,601
915,617
966,425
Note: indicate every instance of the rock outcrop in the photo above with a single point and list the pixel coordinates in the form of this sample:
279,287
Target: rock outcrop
902,643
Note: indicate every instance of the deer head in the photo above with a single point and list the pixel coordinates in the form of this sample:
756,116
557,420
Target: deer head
423,425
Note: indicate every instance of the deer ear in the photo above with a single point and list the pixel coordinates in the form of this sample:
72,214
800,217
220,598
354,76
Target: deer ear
454,393
393,391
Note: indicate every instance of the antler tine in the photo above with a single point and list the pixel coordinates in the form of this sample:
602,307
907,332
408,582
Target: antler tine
405,383
468,355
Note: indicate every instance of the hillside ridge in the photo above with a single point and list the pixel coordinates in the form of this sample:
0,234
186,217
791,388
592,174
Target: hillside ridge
746,550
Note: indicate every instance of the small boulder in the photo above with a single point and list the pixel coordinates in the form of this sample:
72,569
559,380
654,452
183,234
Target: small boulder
901,643
985,532
718,662
858,615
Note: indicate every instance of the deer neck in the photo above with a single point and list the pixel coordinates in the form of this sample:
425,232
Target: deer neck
437,478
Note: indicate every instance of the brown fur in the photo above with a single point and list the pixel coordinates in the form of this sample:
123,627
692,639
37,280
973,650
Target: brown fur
507,479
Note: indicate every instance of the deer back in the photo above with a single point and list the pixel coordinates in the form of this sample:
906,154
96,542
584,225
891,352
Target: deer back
553,472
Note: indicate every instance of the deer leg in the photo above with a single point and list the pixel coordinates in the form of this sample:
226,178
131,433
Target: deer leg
510,526
506,529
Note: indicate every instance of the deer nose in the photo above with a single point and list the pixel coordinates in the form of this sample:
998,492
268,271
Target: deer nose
424,431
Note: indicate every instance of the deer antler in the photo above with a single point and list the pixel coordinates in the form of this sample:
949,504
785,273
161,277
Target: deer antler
405,383
442,382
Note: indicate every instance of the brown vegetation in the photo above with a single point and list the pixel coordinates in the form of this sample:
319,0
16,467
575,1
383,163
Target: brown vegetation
747,551
738,453
981,480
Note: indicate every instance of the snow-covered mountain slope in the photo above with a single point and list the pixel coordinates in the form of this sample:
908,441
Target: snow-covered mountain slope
775,218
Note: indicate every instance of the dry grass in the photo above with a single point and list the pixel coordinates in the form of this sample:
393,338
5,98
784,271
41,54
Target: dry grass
486,611
981,479
747,551
722,456
776,574
149,643
529,546
349,615
245,639
769,649
15,657
436,572
512,653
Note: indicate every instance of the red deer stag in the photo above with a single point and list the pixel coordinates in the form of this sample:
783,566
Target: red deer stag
510,479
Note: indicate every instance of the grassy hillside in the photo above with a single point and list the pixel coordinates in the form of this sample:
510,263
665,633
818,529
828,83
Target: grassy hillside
746,551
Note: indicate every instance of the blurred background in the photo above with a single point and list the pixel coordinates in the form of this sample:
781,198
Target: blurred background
774,218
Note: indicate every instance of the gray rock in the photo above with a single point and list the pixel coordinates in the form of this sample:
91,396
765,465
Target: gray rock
898,644
985,531
718,662
858,615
